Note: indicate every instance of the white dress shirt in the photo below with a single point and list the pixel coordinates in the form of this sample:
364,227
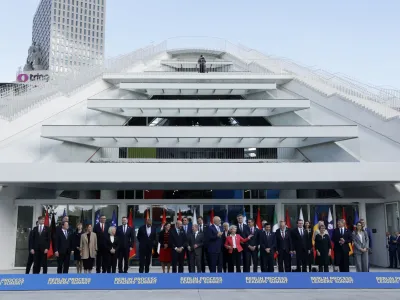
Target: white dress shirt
124,228
148,230
360,235
234,241
217,227
301,231
112,238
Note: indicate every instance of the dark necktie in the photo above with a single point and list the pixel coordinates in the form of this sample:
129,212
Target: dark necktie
283,234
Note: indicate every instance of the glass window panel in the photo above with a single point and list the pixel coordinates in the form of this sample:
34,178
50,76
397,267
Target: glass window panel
24,226
139,213
391,217
80,213
58,211
234,210
106,210
320,213
266,213
293,211
347,212
219,210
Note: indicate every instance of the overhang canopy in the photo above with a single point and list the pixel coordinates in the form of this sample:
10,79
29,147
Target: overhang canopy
189,77
199,137
197,88
197,108
80,176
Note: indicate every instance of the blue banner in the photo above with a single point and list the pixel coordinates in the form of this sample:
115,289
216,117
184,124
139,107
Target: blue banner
136,281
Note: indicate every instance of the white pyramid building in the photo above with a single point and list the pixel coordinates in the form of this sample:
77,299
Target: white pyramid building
148,131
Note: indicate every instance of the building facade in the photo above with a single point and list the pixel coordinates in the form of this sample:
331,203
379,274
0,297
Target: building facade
70,33
149,135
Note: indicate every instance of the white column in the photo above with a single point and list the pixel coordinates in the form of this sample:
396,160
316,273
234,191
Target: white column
8,217
108,194
362,213
279,211
122,211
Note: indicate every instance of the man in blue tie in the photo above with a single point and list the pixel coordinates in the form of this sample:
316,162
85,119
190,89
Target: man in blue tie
341,239
214,236
187,229
178,243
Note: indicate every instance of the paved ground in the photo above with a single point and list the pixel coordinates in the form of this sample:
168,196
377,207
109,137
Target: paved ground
206,295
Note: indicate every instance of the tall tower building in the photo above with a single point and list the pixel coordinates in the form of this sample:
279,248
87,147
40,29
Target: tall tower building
69,34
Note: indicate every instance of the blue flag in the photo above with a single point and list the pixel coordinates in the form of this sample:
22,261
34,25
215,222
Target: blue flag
356,218
114,219
64,213
97,217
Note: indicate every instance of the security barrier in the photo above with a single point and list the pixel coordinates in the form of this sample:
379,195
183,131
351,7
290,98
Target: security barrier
199,281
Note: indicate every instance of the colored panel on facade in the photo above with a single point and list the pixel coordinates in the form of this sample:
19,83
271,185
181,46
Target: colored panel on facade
272,194
227,194
154,194
142,153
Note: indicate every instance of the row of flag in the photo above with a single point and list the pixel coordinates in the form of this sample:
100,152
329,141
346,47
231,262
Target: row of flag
258,222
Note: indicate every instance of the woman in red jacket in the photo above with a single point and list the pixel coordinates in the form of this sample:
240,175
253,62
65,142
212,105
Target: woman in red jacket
232,243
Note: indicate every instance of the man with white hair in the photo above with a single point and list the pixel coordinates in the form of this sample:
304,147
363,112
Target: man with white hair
214,235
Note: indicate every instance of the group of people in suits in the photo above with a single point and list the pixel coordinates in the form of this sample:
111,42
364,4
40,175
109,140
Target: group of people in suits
393,246
223,248
108,245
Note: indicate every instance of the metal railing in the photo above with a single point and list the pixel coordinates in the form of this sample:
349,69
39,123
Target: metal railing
13,105
199,155
383,101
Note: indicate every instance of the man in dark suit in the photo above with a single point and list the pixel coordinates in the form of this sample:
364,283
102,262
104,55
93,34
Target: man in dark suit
252,245
59,229
244,231
214,238
63,248
267,248
195,246
284,247
29,263
302,245
146,237
178,244
392,247
126,239
40,246
101,231
341,239
203,229
187,229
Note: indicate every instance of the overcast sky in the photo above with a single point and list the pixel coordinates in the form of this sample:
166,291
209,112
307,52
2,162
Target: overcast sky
360,38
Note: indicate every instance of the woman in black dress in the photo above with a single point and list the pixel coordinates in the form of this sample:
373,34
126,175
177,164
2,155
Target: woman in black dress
310,256
77,248
112,246
323,248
